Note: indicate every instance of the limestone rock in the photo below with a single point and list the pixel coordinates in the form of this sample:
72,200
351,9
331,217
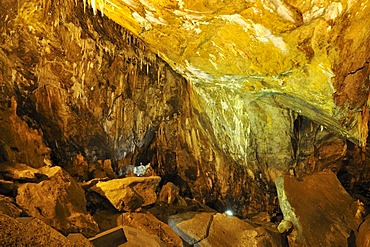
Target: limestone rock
207,229
363,235
169,193
192,227
231,231
139,238
33,232
112,237
20,172
59,201
129,193
79,240
19,142
78,167
107,219
319,209
150,224
8,207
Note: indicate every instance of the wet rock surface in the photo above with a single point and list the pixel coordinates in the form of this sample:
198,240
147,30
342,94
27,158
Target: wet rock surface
318,208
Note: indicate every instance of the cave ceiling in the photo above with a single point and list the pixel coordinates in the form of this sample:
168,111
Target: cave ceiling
307,56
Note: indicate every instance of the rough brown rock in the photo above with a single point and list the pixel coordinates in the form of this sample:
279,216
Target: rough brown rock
150,224
208,229
363,235
231,231
8,207
59,201
192,227
319,209
77,83
128,194
18,142
169,193
19,171
79,240
33,232
138,238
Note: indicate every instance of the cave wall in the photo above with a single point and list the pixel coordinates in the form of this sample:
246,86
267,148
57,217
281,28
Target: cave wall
76,84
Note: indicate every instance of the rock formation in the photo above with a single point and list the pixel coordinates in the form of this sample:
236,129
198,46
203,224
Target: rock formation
219,98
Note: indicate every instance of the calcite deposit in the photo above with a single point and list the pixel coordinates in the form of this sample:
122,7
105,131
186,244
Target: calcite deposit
218,98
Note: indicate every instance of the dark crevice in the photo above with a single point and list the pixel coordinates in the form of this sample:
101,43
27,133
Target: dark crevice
357,70
207,230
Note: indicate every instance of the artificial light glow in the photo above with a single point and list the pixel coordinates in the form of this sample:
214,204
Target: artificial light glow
229,213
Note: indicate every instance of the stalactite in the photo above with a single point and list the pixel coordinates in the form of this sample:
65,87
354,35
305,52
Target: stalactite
363,128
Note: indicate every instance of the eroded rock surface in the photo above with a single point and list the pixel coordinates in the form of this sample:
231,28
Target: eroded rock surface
32,233
128,194
20,172
8,207
59,201
319,209
208,229
150,224
76,88
363,236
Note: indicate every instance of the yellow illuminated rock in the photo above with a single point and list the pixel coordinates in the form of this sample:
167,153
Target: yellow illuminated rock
295,55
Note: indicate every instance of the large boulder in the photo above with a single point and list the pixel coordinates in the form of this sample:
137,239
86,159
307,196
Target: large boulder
59,201
209,229
318,208
128,194
29,232
20,172
150,224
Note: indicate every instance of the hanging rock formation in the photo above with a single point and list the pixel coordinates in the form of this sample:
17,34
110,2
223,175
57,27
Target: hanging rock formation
219,98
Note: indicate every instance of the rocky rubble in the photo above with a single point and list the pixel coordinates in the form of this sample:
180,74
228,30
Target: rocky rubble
59,201
145,215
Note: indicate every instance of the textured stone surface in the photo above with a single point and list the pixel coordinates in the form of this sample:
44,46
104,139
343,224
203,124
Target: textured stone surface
128,194
59,201
192,227
8,207
363,235
74,83
169,193
79,240
231,231
150,224
284,48
319,208
18,171
137,238
33,233
208,229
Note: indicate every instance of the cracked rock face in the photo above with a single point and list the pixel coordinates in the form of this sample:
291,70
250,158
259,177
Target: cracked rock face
209,229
